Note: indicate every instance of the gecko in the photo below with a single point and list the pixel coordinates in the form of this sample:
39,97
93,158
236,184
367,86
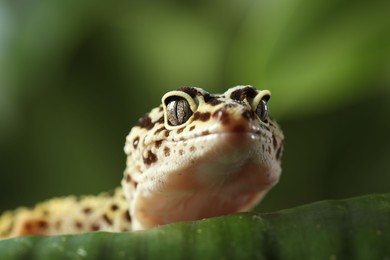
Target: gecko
197,155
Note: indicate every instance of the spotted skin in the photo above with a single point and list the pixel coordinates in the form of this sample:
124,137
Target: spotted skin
221,159
106,212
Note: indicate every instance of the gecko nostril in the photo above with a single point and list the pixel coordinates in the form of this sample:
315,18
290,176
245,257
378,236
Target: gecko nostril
222,115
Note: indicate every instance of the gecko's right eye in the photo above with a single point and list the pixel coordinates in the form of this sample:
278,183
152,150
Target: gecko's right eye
260,106
178,110
262,110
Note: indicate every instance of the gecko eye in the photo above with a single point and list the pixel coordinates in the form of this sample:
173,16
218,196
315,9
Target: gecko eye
262,110
178,110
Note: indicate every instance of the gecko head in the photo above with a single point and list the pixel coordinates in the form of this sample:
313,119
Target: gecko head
199,155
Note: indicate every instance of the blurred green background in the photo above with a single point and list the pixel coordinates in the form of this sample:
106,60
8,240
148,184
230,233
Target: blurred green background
76,75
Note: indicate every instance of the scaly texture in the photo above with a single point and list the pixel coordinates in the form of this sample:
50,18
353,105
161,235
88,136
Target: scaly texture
195,156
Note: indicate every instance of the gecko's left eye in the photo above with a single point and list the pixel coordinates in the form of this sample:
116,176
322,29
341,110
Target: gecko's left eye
178,111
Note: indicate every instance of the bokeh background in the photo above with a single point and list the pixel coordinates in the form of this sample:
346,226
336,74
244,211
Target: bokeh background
76,75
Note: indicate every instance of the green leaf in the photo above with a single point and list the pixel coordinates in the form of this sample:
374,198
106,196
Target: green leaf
357,228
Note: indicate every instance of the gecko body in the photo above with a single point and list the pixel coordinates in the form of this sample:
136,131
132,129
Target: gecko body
196,155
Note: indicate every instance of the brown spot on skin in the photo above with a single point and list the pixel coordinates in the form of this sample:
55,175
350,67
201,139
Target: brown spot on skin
95,227
205,116
87,210
78,225
160,120
181,152
127,216
145,122
248,114
196,115
214,102
205,132
42,224
158,143
190,91
178,131
167,151
211,100
34,227
107,219
202,116
128,178
160,109
28,226
166,133
192,149
274,142
114,207
135,184
159,130
135,142
243,93
151,158
192,128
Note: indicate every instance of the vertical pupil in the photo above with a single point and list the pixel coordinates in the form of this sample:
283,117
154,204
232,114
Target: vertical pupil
181,111
171,112
178,111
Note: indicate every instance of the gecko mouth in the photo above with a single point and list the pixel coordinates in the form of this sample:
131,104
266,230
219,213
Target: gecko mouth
210,139
234,132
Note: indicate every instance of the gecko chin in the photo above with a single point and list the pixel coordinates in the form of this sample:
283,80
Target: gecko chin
228,173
